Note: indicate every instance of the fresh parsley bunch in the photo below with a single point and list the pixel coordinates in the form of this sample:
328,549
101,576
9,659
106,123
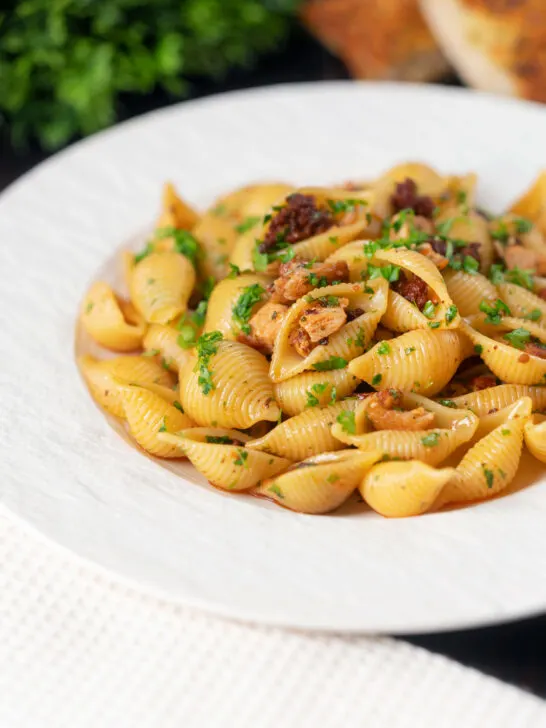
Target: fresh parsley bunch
64,63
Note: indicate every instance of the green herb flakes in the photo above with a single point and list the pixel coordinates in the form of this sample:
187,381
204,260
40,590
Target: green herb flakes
347,421
276,491
494,311
431,440
243,457
207,346
489,476
383,348
247,224
242,309
518,338
334,362
451,313
376,379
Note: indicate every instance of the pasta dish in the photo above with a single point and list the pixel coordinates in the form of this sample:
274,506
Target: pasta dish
385,338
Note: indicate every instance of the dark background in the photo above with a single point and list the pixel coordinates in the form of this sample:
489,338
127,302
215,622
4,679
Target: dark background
515,652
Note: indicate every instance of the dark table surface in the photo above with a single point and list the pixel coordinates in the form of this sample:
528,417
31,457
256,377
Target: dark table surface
515,652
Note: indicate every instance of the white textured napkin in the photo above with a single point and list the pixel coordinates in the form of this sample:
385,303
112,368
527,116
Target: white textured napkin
80,650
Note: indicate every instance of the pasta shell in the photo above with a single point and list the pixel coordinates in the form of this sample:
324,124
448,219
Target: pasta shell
224,297
399,490
110,321
422,361
353,254
505,361
161,285
295,394
147,414
523,303
232,467
216,238
319,484
452,428
175,212
468,291
163,340
535,439
472,228
346,343
242,394
306,434
401,315
102,378
489,466
428,181
484,401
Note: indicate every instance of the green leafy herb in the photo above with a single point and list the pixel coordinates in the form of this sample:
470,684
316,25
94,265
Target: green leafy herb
242,308
341,206
523,225
470,265
163,425
429,310
247,224
489,476
431,440
494,311
448,403
318,388
219,439
151,352
478,348
317,281
520,277
505,432
187,336
285,256
409,350
276,490
333,478
334,362
496,274
234,271
184,242
376,379
461,197
89,307
434,324
148,249
534,315
384,348
243,457
260,260
451,313
501,232
198,316
360,339
390,273
207,346
347,421
333,239
178,406
333,395
518,338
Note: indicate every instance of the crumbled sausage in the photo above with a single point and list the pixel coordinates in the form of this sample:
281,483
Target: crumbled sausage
413,289
354,313
536,349
384,412
300,218
320,321
264,327
482,382
298,277
405,196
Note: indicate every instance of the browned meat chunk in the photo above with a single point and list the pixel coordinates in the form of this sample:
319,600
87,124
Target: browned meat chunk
482,382
300,218
413,289
301,342
299,277
320,321
264,327
438,259
473,250
541,293
516,256
536,349
384,412
405,196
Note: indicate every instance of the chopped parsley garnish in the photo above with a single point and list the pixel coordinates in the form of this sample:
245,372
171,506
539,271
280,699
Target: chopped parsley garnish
276,490
247,224
333,478
495,311
500,233
505,432
448,403
328,301
451,313
518,338
318,388
242,308
151,352
409,350
470,265
333,395
431,440
149,248
489,476
220,210
461,197
333,239
360,339
207,346
163,425
347,421
89,307
260,260
383,348
341,206
243,456
520,277
285,256
534,315
219,439
317,281
390,273
434,324
198,316
429,310
334,362
189,324
523,225
187,336
178,406
478,348
184,242
376,379
496,274
234,271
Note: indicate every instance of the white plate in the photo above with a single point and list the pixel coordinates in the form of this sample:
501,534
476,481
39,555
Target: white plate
66,472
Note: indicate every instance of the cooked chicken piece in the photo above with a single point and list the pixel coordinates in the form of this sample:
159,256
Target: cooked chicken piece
264,327
382,413
301,342
439,261
298,278
320,321
516,256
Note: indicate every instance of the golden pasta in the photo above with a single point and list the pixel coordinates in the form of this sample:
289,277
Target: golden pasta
289,341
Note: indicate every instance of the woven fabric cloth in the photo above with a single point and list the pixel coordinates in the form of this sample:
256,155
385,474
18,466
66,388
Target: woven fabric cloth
79,649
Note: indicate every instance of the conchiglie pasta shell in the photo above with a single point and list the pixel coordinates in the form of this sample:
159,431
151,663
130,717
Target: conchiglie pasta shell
222,299
472,228
243,393
292,394
286,362
468,291
319,484
504,360
146,412
353,254
161,285
110,321
216,237
422,361
400,490
489,466
229,467
452,428
401,315
175,212
535,439
522,302
306,434
497,398
101,378
261,197
163,339
428,181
